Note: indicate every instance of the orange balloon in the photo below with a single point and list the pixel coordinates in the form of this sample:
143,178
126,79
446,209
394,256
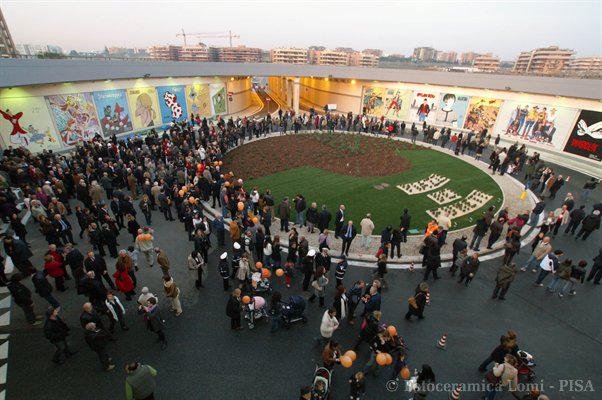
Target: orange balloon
381,359
258,265
346,361
241,206
181,193
266,273
221,163
191,200
184,189
389,358
405,373
255,220
216,163
279,272
246,299
392,330
351,354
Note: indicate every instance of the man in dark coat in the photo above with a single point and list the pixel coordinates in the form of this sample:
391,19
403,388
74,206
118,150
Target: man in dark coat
479,231
577,216
63,229
495,229
588,225
117,211
324,219
56,331
20,255
98,265
165,206
404,225
416,306
22,297
458,246
44,288
347,234
339,221
98,339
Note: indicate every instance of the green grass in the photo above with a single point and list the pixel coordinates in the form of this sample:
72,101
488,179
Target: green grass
360,197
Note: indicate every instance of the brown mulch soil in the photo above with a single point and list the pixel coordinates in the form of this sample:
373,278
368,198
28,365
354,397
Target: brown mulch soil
330,152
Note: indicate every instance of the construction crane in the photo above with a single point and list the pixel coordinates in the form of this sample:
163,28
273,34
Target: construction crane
209,35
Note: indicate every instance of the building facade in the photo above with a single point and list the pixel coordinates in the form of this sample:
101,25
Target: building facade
548,60
238,54
585,66
194,53
363,60
486,63
7,46
289,55
165,53
468,57
424,54
328,57
447,57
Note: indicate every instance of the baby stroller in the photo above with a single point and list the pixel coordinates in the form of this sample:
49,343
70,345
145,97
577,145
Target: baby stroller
256,310
320,390
260,285
525,365
293,311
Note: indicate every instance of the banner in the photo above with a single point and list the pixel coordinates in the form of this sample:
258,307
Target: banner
198,100
75,117
586,136
113,110
424,106
482,113
26,122
172,103
373,102
145,106
535,123
218,98
452,110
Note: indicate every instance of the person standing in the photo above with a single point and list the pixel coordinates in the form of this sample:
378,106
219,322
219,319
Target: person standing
504,278
144,244
163,261
458,246
98,265
324,219
339,220
536,212
354,296
367,227
165,206
284,213
307,268
539,252
56,331
404,225
20,254
444,222
340,271
233,309
595,273
140,382
319,284
357,386
479,232
115,311
347,234
311,217
172,292
123,281
505,374
576,216
300,206
495,231
196,263
22,297
98,339
469,268
155,321
588,225
508,345
44,288
329,324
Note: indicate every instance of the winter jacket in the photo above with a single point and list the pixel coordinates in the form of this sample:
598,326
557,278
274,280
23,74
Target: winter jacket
329,325
505,275
54,269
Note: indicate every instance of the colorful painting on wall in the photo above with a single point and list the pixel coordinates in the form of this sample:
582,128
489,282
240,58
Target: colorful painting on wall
198,100
26,122
373,102
397,103
482,113
586,136
535,122
172,103
145,107
218,98
451,110
114,112
424,106
75,117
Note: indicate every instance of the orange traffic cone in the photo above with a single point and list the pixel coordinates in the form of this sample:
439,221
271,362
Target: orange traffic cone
455,394
442,342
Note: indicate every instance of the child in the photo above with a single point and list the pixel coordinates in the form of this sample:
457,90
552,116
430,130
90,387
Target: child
357,386
133,253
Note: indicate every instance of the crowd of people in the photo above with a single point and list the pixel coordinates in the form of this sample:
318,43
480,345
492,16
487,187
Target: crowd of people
108,184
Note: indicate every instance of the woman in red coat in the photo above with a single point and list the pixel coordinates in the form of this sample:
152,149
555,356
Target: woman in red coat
55,269
123,281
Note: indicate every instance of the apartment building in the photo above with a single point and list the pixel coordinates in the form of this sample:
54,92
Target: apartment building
548,60
166,53
289,55
424,54
194,53
238,54
486,63
329,57
7,46
447,57
363,60
585,65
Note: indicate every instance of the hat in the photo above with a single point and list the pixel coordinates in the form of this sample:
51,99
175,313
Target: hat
224,255
311,253
145,290
237,245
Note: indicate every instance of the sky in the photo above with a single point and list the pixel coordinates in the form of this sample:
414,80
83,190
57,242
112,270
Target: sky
503,27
